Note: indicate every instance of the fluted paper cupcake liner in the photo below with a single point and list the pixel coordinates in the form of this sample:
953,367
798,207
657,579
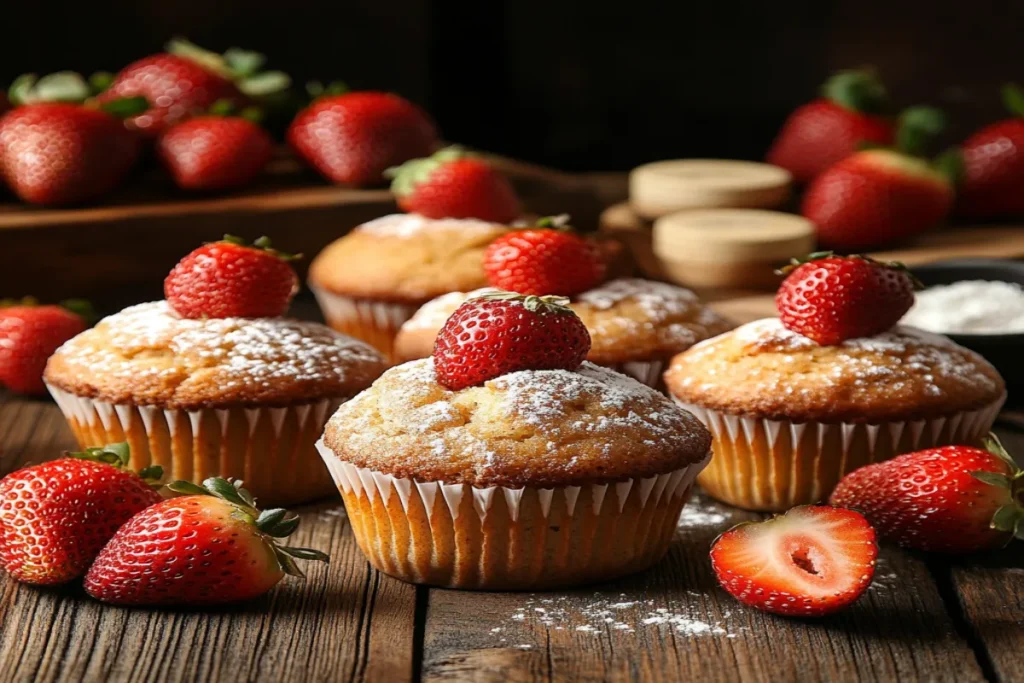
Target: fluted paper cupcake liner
773,465
459,536
374,322
270,449
645,372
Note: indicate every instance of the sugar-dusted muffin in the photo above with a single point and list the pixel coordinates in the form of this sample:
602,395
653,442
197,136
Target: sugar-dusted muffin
791,417
636,326
373,279
535,479
229,397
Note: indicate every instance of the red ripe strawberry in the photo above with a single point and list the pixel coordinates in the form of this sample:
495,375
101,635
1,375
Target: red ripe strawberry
809,562
55,517
58,153
543,261
875,198
215,152
354,137
208,546
831,128
833,298
455,184
880,196
955,499
187,80
29,334
993,165
501,332
228,279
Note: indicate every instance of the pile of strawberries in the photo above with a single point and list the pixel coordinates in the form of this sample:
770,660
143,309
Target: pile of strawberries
85,514
65,140
868,181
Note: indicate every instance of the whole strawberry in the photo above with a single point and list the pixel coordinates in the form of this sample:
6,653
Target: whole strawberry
29,334
55,150
809,562
354,137
215,152
831,298
55,517
229,279
206,547
455,184
187,80
546,260
955,499
880,196
501,332
829,129
992,185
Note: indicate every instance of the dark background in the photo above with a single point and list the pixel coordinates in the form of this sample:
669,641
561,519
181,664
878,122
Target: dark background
570,83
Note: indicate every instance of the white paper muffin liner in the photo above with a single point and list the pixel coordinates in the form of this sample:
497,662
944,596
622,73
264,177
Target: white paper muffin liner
645,372
375,322
773,465
461,536
270,449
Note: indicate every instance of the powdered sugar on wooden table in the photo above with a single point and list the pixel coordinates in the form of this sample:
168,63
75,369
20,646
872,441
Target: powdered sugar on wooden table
409,224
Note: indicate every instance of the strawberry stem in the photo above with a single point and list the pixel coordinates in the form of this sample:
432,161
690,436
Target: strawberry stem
531,302
917,127
859,90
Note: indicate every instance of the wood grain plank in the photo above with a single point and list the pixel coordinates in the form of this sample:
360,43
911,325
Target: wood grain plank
674,623
345,622
990,591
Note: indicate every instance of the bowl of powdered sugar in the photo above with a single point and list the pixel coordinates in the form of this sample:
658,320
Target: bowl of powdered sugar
979,303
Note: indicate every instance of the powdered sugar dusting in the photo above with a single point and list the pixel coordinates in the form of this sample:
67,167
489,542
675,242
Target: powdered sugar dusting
656,297
409,224
610,614
152,340
899,357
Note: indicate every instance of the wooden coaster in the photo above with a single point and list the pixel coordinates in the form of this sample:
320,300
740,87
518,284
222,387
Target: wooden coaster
729,247
664,187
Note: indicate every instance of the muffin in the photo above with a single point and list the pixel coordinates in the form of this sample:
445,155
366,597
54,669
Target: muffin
535,479
229,397
636,326
372,280
791,417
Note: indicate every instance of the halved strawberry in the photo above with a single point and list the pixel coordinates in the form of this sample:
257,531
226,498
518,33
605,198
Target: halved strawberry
811,561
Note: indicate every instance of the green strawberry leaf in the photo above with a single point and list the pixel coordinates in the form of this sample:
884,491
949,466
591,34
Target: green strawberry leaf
187,488
859,90
63,86
1013,98
20,91
306,554
100,82
1006,518
270,518
153,473
244,62
284,528
951,164
116,454
264,84
224,489
288,564
992,478
82,308
125,107
917,127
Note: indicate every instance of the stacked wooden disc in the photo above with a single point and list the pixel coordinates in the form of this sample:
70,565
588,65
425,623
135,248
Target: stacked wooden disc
710,223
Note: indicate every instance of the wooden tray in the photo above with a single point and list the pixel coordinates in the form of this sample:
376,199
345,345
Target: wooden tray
120,251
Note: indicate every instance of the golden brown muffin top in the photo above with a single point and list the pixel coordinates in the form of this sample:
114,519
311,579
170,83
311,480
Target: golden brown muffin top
147,355
539,428
638,320
764,370
406,258
628,319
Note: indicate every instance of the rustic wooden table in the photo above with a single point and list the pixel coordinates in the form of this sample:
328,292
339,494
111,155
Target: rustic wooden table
923,618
